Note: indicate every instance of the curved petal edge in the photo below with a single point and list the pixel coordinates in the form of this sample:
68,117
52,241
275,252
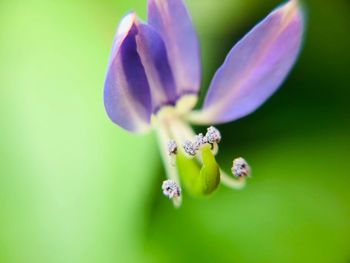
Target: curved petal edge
255,67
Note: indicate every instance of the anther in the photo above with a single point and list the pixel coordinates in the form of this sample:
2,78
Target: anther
189,148
171,189
240,167
199,140
213,135
172,147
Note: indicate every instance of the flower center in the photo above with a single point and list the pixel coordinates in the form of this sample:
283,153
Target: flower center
183,106
189,158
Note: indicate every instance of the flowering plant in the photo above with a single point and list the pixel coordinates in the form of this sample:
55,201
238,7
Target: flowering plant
153,79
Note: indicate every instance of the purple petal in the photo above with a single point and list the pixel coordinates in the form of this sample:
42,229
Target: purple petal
151,49
127,94
139,78
255,67
171,19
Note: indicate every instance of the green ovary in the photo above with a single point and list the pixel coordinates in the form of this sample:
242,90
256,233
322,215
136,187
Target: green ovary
199,180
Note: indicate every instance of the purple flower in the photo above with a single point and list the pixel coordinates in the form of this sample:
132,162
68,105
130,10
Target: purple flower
154,72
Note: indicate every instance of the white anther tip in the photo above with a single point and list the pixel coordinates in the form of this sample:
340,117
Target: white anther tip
240,168
171,189
189,148
172,147
213,135
198,141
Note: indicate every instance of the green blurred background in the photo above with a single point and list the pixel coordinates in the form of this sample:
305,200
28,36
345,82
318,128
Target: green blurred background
76,188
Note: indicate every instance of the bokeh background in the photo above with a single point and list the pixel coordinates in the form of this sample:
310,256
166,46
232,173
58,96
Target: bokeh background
75,188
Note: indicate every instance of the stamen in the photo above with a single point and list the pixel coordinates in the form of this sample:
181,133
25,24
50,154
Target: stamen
240,168
213,135
199,140
172,147
171,189
189,148
164,137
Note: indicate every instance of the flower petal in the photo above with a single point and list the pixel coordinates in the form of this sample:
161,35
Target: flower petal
127,94
171,19
255,67
139,79
151,49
